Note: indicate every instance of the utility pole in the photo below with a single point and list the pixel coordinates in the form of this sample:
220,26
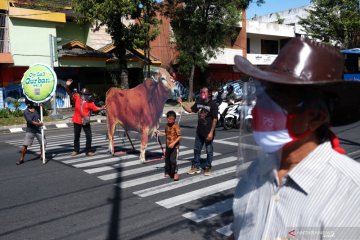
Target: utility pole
54,114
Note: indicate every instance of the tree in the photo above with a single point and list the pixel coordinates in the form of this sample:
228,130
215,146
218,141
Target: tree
128,23
200,29
334,21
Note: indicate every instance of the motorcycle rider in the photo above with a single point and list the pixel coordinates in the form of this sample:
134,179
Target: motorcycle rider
231,96
219,96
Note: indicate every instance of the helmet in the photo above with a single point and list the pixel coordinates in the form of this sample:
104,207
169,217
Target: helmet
230,88
85,91
220,90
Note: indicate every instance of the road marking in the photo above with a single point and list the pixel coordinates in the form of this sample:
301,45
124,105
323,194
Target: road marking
197,178
155,177
202,155
187,181
108,168
226,230
216,141
194,195
113,159
15,130
60,143
101,169
353,153
103,161
210,211
61,125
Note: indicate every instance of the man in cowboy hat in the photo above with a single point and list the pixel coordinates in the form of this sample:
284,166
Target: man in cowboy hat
81,117
299,183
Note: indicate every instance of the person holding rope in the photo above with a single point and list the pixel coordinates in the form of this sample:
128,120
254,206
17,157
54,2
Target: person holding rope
207,111
173,136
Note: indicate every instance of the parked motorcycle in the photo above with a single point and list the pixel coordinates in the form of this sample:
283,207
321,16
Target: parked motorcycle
222,111
247,117
232,117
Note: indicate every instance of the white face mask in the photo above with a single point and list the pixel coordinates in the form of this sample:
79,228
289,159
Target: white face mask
269,125
272,141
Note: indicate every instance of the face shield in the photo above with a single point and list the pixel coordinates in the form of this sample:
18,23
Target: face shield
263,132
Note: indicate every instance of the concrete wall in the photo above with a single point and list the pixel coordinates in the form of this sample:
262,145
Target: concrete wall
290,17
270,29
30,41
98,39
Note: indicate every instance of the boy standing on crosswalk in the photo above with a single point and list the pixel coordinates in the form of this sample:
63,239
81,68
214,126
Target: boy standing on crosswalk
173,136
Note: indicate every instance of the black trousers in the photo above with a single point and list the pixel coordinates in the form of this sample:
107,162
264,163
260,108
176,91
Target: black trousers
77,131
170,160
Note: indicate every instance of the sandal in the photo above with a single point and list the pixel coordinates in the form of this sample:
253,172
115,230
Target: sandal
20,162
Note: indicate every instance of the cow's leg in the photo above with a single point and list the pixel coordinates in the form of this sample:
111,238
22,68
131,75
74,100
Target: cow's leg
111,130
144,141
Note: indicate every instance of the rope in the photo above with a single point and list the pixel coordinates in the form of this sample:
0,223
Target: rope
181,108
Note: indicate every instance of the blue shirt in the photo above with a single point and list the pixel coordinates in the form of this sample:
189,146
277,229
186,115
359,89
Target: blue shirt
318,199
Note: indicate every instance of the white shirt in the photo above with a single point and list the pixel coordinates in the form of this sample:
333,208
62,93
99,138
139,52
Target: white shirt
318,199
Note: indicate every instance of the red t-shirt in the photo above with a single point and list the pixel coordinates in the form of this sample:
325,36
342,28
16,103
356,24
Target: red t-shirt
86,107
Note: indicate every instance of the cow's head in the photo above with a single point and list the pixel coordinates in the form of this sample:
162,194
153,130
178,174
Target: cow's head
163,77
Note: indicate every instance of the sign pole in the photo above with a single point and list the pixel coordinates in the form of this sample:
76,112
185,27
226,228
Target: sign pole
39,84
54,114
42,134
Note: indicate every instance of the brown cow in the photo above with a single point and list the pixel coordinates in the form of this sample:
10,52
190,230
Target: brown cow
138,109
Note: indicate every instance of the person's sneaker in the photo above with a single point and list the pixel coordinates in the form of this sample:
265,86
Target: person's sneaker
207,172
194,170
74,153
176,177
90,154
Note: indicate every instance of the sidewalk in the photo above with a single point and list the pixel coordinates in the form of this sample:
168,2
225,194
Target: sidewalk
67,115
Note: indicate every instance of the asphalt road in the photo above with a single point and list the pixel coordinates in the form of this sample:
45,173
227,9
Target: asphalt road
106,197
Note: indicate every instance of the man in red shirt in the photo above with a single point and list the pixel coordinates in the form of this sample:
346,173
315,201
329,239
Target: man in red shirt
81,111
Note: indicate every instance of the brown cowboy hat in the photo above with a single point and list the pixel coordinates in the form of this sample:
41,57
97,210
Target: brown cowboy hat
307,63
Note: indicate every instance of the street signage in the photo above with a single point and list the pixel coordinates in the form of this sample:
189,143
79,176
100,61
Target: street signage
39,83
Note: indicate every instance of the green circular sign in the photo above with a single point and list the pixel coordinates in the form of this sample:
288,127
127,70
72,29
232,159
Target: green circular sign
39,82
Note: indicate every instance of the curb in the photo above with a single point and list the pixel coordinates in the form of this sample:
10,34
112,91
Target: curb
65,123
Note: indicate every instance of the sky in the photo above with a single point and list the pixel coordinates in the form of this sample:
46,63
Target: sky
271,6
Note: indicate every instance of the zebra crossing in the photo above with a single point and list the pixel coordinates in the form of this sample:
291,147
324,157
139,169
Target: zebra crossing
135,174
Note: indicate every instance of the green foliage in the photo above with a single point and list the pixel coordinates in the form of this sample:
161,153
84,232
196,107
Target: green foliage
201,27
16,103
279,20
17,113
335,22
5,113
128,22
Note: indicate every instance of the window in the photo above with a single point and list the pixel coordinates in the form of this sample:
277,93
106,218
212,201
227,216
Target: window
269,47
248,45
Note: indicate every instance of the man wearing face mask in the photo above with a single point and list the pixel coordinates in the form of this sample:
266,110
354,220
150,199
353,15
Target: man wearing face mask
83,106
299,183
207,111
